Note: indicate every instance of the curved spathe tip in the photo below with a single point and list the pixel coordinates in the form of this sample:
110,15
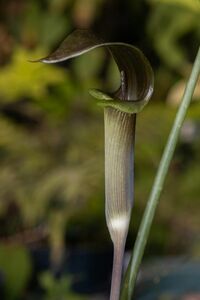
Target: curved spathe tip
137,78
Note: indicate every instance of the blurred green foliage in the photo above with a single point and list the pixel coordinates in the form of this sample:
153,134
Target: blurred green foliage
58,289
51,131
15,265
25,78
167,30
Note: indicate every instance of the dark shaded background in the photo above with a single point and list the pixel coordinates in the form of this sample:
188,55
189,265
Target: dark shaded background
51,143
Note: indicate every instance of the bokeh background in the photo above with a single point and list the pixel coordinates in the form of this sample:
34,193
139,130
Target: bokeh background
54,244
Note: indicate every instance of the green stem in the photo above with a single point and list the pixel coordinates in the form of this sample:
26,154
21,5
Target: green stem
117,270
143,233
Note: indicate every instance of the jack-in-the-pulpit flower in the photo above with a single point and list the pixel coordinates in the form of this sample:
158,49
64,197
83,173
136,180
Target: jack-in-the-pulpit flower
120,109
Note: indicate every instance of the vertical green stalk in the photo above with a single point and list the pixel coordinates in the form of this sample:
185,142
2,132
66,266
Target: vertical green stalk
152,203
119,150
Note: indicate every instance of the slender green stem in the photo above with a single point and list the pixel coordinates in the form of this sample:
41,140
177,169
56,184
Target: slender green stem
117,270
141,240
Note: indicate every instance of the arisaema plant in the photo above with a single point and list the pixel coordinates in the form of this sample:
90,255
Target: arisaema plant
120,110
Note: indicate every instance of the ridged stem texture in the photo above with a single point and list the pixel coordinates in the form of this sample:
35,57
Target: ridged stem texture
119,153
152,203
